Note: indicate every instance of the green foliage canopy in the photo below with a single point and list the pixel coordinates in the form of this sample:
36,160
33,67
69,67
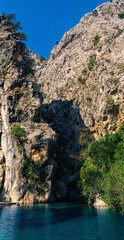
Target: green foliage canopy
103,169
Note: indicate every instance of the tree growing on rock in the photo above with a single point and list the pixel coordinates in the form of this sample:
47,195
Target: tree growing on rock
16,25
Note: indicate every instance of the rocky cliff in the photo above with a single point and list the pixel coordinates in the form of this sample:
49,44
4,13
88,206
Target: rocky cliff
51,109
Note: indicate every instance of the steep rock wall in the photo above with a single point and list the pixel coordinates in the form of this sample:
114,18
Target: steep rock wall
26,171
87,66
75,95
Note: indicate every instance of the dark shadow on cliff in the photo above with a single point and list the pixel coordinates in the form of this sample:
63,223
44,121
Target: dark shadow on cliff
66,121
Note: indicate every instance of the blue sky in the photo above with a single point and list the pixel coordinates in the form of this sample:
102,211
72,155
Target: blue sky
45,21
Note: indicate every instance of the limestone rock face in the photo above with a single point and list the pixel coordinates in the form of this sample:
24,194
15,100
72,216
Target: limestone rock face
88,68
79,89
20,104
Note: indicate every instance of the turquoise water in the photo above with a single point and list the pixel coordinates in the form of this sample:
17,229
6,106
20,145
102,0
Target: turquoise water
65,221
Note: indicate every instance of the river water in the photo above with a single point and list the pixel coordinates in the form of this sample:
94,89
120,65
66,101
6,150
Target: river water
60,221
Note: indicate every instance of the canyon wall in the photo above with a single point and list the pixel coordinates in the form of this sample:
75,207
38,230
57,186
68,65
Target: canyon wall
51,109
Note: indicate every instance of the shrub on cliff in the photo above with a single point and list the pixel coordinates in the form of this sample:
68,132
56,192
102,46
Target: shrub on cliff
95,13
16,25
121,15
91,61
17,132
109,103
96,39
103,169
29,169
23,36
53,56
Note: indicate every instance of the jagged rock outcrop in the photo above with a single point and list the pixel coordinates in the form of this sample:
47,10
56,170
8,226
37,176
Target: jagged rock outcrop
21,101
80,88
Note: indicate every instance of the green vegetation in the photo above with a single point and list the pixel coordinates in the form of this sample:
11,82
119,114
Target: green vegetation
16,25
89,99
103,169
42,93
93,87
30,170
42,120
100,48
121,67
23,36
112,73
120,31
78,36
81,80
95,13
91,61
34,172
29,70
109,103
84,71
96,39
2,60
108,60
31,110
121,15
32,119
17,132
12,19
42,58
94,74
53,56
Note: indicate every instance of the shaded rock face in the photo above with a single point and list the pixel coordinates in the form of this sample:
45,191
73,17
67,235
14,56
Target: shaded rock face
2,162
79,89
66,121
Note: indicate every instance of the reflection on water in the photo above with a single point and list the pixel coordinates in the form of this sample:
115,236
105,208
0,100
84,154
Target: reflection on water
66,221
